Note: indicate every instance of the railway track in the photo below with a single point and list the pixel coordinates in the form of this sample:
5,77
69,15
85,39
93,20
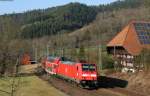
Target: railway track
73,90
108,86
66,87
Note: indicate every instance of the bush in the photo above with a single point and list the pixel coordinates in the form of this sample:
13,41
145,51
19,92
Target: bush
107,61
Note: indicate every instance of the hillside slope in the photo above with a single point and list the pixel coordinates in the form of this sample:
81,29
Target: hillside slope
68,26
105,27
59,19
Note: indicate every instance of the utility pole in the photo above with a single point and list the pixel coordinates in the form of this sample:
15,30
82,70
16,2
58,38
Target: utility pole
99,46
100,57
115,62
36,54
47,48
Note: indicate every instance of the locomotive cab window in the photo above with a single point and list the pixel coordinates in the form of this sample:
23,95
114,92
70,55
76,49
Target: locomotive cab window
88,67
92,67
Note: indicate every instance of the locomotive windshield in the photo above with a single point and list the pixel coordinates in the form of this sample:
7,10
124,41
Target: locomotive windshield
88,67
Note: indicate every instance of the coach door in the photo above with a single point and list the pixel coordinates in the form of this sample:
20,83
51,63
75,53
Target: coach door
77,71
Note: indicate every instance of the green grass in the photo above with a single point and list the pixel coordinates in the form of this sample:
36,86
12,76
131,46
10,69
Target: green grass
29,86
5,86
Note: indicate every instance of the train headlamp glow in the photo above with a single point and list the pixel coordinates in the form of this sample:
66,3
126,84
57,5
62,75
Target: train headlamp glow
91,75
85,75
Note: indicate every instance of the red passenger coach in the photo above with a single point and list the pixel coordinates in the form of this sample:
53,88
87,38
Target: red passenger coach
81,73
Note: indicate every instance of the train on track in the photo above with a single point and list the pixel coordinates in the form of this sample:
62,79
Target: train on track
82,73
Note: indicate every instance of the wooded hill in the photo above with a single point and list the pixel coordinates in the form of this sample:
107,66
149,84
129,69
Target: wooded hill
60,19
68,26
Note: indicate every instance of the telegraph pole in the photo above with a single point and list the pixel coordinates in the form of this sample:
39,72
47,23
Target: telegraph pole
47,48
36,54
99,46
100,57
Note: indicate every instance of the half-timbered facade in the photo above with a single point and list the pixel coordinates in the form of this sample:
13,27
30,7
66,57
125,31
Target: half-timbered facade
130,42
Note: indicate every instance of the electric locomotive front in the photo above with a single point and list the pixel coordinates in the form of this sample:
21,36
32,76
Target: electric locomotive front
87,75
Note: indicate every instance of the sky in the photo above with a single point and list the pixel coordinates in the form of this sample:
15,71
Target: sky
17,6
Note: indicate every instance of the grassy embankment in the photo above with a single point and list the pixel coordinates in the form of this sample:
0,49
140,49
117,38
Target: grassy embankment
29,86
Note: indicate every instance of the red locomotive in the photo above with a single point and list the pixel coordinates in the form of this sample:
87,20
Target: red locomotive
84,74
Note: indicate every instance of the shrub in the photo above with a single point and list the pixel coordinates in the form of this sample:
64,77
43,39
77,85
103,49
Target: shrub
107,61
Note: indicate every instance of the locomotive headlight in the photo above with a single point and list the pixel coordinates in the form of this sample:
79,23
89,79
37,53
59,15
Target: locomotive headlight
85,75
93,75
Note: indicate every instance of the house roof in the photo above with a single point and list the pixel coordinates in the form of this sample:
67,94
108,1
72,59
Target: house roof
134,37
